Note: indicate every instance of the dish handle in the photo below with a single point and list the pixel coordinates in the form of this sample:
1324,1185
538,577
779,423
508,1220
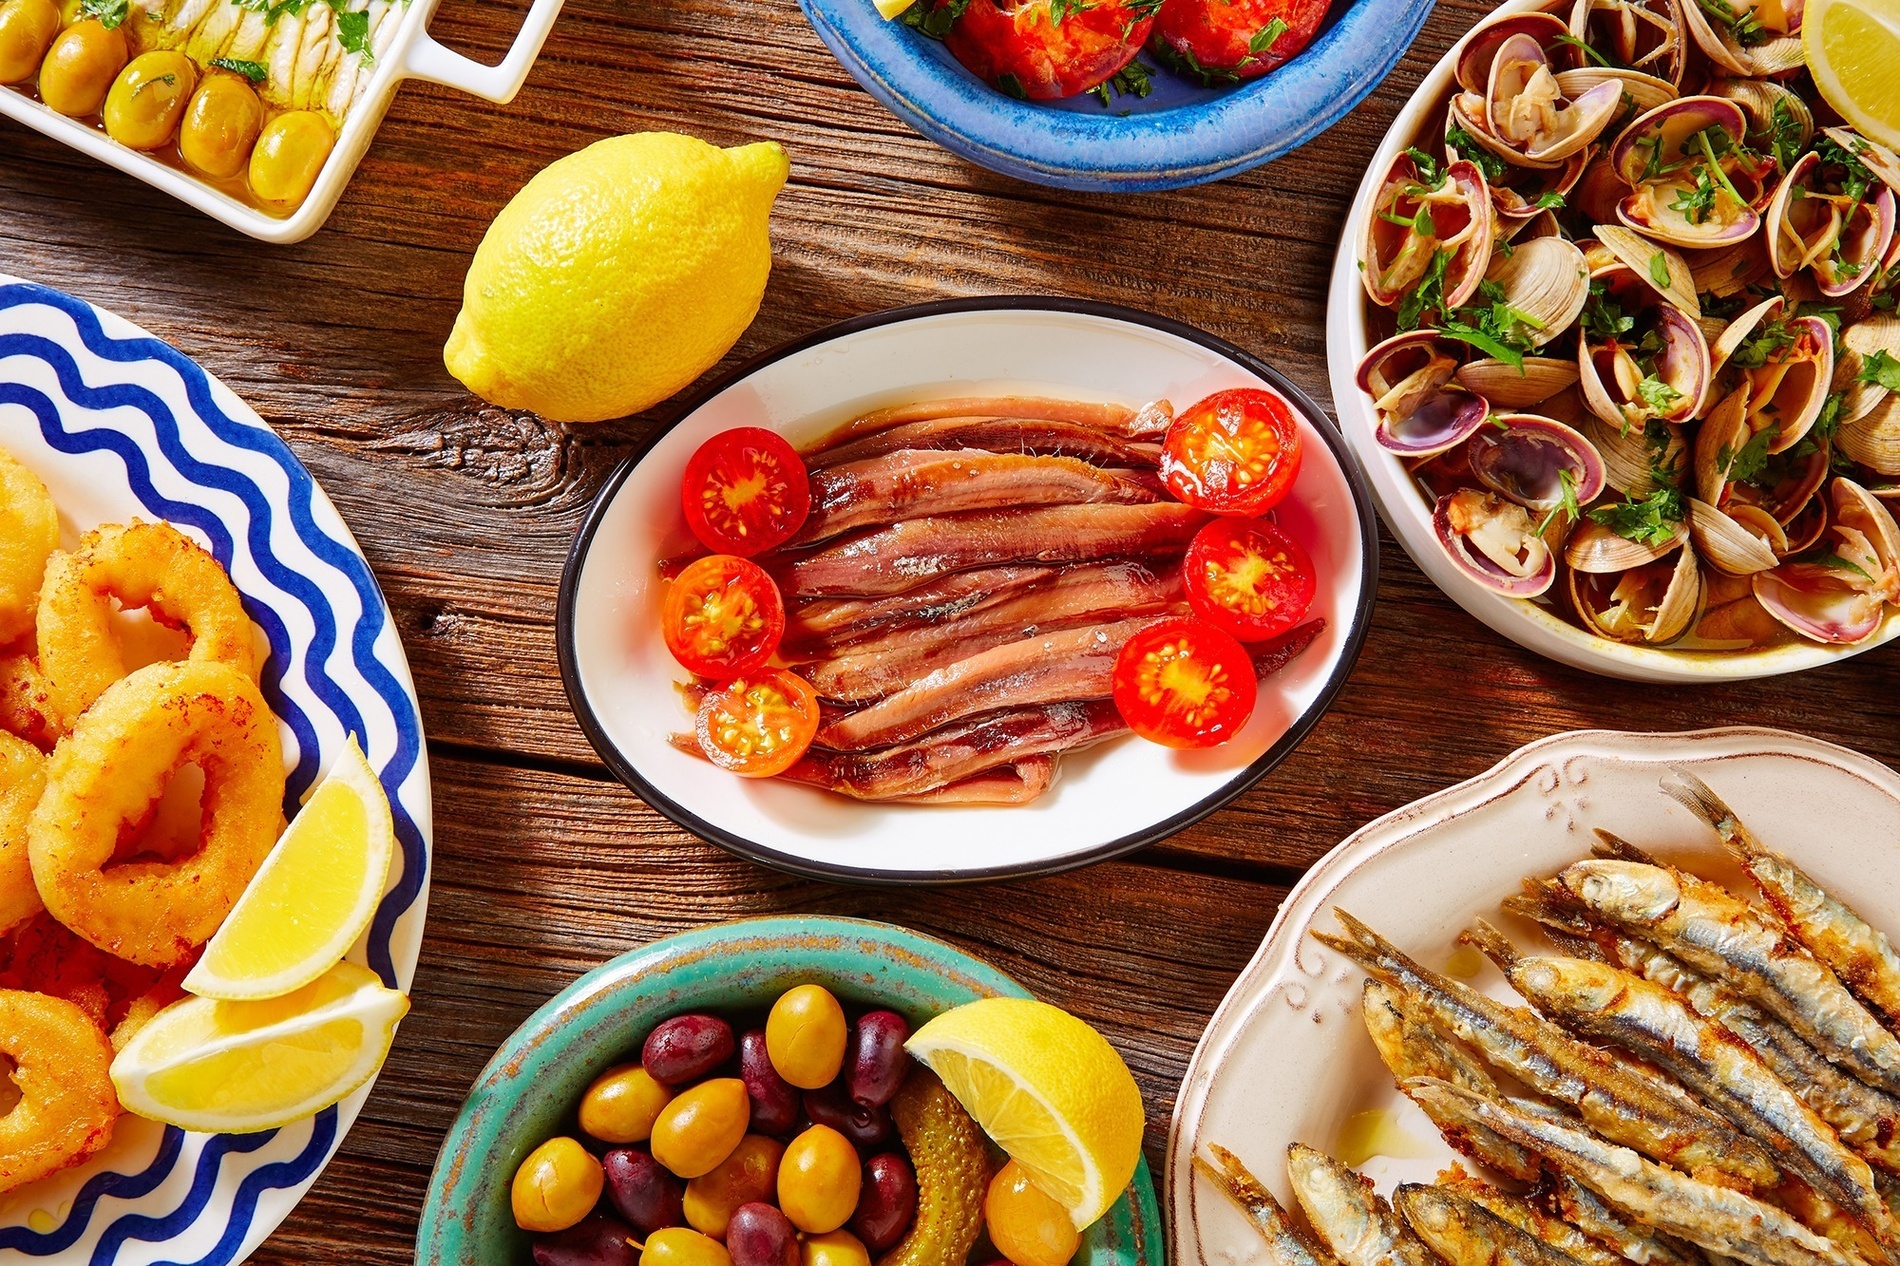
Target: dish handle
429,60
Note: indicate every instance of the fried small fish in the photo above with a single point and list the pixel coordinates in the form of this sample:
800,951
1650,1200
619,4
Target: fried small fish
1529,1218
1285,1245
1349,1214
1465,1233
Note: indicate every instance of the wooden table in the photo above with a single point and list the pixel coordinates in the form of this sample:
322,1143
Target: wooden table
544,865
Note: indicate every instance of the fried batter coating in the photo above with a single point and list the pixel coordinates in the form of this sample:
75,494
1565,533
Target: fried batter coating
149,565
26,702
22,778
108,773
29,533
67,1105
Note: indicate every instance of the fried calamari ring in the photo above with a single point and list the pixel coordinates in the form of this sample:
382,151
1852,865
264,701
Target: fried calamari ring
22,778
150,565
105,777
67,1104
26,702
29,533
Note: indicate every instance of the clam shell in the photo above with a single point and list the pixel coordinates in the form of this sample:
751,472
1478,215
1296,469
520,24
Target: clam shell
1817,603
1521,455
1620,29
1758,99
1473,526
1789,239
1876,157
1723,271
1683,365
1480,48
1509,387
1873,439
1725,429
1517,136
1627,457
1545,279
1772,57
1662,133
1877,333
1737,331
1669,616
1645,258
1645,92
1854,507
1383,243
1728,544
1419,414
1597,551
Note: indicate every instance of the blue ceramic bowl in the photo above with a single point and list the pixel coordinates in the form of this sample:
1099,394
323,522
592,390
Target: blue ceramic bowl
1180,134
530,1088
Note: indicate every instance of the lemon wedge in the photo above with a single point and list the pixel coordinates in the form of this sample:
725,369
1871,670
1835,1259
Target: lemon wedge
238,1067
1048,1089
888,9
1853,49
312,897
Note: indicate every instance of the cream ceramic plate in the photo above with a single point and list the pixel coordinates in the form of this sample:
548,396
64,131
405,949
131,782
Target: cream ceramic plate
1286,1058
1112,798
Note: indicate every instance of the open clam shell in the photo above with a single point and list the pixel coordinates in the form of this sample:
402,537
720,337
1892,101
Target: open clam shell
1480,52
1857,510
1740,542
1812,224
1408,377
1518,191
1873,439
1778,54
1859,341
1509,386
1644,92
1724,271
1658,265
1618,389
1681,193
1633,455
1875,157
1820,603
1742,328
1644,35
1597,551
1769,106
1650,604
1532,460
1544,279
1495,542
1522,115
1412,221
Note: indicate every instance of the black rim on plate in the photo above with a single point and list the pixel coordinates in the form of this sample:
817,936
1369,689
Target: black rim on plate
624,770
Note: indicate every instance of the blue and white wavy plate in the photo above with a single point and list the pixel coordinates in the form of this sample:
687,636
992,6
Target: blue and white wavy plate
119,424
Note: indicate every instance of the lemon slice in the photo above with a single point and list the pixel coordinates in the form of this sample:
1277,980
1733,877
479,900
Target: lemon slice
888,9
312,897
1853,49
237,1067
1048,1089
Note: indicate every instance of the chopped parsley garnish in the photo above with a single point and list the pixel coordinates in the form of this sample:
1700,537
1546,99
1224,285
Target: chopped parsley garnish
1566,501
1659,270
1744,26
1132,80
1784,134
1264,39
109,12
1766,343
1657,394
1831,559
1428,295
352,32
933,20
1060,9
256,72
1430,175
1881,369
1583,47
1603,317
1552,201
1468,149
1652,520
1010,86
1743,464
1494,326
1183,62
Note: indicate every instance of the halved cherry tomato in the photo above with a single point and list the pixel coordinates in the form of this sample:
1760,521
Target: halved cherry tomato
1248,577
745,491
722,617
1224,41
1236,452
1047,49
758,725
1184,683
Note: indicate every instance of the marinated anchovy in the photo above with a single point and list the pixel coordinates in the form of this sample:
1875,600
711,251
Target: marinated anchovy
1719,1219
1719,933
1541,1225
1465,1233
1624,1103
998,435
1285,1245
1859,954
1350,1216
1603,1002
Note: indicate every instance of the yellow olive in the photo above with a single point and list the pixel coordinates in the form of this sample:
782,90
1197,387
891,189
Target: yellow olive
221,125
679,1246
148,98
289,154
749,1174
818,1180
804,1036
701,1126
834,1248
557,1186
80,66
622,1105
27,28
1028,1227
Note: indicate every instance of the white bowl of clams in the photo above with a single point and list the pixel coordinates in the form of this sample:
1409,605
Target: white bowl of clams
1613,334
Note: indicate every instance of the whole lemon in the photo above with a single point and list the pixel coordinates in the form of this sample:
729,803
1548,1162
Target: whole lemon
617,275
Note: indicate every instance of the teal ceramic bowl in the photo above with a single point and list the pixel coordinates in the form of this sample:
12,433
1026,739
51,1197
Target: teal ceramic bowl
529,1089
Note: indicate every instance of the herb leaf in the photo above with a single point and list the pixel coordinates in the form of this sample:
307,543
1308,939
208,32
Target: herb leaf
1651,520
256,72
1880,369
109,12
1659,270
352,32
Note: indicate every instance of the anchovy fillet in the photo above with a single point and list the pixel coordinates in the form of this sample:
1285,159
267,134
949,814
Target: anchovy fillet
1858,953
1285,1245
1718,1219
1350,1216
1717,932
1622,1102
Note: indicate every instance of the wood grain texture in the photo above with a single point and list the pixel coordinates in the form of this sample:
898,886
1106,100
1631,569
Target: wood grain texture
544,865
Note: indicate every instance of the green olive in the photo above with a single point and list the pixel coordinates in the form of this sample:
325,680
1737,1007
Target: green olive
289,154
27,28
148,98
221,125
79,68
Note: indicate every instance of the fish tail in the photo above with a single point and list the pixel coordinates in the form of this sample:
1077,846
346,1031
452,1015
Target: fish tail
1613,847
1700,799
1492,943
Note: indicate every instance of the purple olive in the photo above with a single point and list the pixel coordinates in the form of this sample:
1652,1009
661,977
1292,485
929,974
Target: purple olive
759,1235
887,1201
876,1062
686,1048
642,1192
774,1102
865,1127
597,1240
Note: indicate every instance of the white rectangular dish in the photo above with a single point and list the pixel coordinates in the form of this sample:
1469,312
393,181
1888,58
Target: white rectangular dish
410,54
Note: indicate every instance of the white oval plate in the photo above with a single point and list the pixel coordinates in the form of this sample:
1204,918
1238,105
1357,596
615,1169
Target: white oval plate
1109,800
1286,1057
1409,515
118,424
